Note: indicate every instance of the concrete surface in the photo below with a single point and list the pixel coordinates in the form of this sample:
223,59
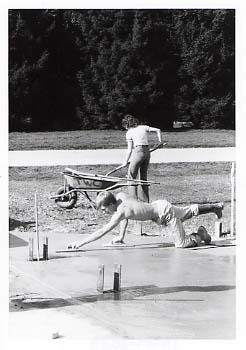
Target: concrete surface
167,293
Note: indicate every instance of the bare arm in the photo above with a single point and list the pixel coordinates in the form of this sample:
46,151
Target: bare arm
158,132
120,237
129,152
115,220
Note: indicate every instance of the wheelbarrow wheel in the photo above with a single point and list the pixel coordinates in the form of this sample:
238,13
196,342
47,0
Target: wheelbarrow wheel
67,201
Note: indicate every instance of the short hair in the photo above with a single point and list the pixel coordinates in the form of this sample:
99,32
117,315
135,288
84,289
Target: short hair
129,121
105,198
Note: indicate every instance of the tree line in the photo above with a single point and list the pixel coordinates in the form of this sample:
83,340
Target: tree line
86,69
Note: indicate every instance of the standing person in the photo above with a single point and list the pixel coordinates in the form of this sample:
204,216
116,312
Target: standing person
124,208
138,148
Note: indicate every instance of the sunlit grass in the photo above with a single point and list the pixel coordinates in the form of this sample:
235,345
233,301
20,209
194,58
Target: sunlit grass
95,139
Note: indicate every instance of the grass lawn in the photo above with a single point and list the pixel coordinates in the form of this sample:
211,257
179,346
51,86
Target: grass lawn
180,183
96,139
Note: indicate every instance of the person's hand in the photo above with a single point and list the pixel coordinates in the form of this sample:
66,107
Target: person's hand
117,240
159,145
123,165
74,245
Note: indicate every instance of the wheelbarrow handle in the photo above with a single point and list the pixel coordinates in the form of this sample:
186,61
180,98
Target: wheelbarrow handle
159,145
114,170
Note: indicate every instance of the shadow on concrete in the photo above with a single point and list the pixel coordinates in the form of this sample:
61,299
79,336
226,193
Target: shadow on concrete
15,241
213,246
131,293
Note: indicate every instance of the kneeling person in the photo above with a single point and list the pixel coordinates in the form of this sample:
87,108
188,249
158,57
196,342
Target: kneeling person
124,208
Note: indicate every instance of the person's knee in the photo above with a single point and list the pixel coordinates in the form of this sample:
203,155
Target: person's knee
143,174
196,239
133,172
191,241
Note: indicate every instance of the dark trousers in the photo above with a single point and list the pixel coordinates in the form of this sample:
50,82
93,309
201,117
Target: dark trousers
138,168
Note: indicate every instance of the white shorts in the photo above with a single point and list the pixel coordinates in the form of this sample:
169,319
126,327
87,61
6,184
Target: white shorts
177,216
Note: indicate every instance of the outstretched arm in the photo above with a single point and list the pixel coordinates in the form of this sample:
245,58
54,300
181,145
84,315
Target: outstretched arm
115,220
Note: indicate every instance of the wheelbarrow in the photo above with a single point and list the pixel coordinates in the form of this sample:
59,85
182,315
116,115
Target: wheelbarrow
77,182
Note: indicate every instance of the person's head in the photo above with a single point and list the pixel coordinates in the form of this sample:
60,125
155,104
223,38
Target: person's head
129,122
106,201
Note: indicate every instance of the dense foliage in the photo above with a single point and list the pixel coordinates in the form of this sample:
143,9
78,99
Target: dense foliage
84,69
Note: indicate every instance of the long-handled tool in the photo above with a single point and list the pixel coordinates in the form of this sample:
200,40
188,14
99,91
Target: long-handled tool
117,168
155,147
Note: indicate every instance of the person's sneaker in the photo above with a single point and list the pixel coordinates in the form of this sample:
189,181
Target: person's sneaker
203,233
218,210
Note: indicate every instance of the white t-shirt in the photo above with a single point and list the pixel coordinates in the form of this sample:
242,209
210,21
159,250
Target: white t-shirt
138,135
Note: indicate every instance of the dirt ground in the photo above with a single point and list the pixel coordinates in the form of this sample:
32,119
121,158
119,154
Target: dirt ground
198,182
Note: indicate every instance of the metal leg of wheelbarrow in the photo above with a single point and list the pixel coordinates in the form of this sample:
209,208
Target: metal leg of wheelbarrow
92,204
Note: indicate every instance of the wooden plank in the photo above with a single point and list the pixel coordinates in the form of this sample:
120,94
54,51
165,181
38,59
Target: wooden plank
118,247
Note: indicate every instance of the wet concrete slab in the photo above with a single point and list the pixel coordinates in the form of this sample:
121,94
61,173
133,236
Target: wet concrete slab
166,293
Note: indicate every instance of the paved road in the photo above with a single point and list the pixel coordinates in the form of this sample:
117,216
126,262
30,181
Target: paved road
116,156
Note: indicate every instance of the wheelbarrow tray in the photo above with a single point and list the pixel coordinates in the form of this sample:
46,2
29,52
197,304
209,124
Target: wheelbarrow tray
87,183
93,182
76,181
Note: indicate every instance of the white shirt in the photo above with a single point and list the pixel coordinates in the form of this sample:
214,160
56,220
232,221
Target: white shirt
138,135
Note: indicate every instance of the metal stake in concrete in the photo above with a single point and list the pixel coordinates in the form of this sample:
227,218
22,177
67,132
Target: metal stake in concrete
218,229
30,249
117,278
138,229
45,249
36,215
232,197
100,278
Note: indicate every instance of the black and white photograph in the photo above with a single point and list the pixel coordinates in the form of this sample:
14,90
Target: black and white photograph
121,203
